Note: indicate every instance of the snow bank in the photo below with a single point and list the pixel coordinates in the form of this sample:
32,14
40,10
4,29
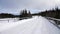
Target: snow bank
36,25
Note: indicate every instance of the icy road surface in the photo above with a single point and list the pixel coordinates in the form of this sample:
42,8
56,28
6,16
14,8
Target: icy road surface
36,25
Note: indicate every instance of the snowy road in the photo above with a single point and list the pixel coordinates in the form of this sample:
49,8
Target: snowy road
36,25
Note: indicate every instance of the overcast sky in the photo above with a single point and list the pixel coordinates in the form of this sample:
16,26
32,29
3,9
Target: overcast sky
14,6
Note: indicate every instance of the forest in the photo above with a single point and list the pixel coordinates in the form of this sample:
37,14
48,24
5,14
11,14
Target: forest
55,13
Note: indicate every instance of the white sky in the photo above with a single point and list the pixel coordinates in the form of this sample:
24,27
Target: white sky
14,6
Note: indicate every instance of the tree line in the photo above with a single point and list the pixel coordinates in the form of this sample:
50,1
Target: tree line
6,15
55,13
23,13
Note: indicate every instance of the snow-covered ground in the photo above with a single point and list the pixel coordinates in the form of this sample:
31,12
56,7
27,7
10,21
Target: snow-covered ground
54,21
8,20
35,25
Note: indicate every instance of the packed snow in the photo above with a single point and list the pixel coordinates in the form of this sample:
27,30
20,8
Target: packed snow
35,25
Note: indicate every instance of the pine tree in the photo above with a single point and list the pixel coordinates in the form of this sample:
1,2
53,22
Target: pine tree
29,14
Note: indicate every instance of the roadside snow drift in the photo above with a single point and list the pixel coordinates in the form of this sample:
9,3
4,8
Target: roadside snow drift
36,25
